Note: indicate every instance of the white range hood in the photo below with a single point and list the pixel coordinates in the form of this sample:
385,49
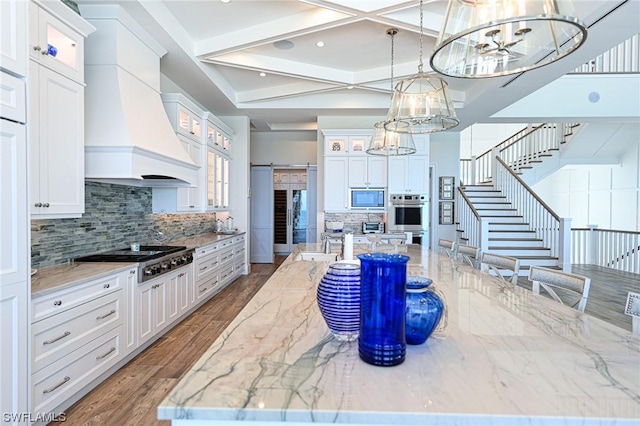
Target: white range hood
129,139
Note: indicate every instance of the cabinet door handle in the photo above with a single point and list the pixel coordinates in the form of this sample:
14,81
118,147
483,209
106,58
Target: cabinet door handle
181,275
45,205
37,48
44,52
48,342
37,205
57,303
107,354
99,317
65,380
132,272
106,286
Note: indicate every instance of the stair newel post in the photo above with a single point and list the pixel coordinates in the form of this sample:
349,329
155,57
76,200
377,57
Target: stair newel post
474,179
495,152
592,245
564,246
484,234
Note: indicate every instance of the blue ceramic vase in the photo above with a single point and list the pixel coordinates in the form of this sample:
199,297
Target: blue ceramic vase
382,308
338,298
424,310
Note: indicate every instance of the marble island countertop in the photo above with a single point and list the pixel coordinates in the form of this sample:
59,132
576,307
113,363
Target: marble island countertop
503,356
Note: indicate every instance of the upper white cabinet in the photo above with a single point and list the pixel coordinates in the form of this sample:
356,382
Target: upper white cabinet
13,36
55,44
218,164
184,115
367,171
56,135
336,190
409,174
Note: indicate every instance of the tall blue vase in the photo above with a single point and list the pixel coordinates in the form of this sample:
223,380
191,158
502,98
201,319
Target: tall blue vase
424,310
382,308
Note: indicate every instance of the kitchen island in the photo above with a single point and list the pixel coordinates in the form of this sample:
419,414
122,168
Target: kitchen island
502,356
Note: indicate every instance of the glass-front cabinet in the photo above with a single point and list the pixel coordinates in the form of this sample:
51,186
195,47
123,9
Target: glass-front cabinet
218,165
55,44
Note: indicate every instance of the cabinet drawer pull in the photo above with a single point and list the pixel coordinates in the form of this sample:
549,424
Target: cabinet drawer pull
132,272
202,290
107,286
203,268
57,303
181,275
99,317
107,354
48,342
65,380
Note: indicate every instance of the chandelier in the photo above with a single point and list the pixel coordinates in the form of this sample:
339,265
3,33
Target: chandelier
489,38
383,141
421,103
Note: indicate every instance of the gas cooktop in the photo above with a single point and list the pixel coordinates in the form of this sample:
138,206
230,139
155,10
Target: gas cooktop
127,255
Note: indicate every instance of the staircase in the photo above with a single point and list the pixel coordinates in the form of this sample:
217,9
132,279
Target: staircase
508,232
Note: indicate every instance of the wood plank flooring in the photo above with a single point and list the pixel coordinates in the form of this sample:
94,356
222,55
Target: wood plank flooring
132,394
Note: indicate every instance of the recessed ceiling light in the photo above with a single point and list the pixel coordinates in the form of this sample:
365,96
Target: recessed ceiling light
320,44
283,44
263,74
225,1
349,87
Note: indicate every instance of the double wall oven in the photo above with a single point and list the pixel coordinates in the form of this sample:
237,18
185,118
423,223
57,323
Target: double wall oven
409,212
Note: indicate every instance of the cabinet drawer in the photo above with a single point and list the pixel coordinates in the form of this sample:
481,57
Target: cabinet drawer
206,287
226,274
238,240
225,243
238,250
206,266
13,98
62,300
206,251
53,385
59,335
226,256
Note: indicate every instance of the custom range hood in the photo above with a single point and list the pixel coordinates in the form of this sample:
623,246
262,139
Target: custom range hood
128,137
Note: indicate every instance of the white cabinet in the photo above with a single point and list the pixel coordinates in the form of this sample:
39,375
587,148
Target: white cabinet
216,137
76,335
55,44
367,171
56,128
181,294
13,36
336,186
190,199
184,115
217,179
152,307
409,174
15,337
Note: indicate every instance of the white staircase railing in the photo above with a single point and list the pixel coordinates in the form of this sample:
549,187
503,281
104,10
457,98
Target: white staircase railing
519,151
555,232
606,247
623,58
473,229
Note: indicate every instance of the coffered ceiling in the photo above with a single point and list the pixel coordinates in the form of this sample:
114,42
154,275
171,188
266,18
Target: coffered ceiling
217,52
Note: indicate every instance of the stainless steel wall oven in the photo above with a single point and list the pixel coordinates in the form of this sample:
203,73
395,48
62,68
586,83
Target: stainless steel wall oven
408,212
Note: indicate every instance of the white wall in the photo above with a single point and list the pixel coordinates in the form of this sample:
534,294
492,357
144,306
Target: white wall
445,160
479,138
283,147
607,196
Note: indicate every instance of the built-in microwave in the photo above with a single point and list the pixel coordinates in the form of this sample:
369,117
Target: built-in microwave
367,198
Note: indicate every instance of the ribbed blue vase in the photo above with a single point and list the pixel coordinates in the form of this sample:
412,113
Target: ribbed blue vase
382,308
338,298
424,310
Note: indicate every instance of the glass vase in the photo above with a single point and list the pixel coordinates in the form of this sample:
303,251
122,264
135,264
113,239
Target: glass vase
338,297
382,308
424,310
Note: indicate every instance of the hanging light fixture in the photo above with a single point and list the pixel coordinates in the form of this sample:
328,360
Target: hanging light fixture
384,142
421,103
489,38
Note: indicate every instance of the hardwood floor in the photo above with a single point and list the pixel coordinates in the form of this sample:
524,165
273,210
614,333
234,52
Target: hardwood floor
131,395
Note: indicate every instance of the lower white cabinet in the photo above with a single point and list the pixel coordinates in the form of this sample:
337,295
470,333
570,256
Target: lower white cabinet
181,294
152,308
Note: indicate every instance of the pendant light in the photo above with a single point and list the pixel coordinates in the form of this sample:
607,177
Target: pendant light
385,142
421,103
489,38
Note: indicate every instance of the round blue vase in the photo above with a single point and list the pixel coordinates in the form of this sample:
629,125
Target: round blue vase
382,308
424,310
338,298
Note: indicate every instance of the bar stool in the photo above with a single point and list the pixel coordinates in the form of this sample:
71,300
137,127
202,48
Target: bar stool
574,288
447,247
468,254
497,263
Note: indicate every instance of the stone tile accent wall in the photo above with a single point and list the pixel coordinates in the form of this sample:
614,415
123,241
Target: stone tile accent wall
115,216
353,221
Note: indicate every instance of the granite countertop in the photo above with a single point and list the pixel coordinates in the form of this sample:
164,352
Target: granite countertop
54,278
503,356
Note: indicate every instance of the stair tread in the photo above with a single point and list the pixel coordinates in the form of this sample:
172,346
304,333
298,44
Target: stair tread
517,248
515,230
515,239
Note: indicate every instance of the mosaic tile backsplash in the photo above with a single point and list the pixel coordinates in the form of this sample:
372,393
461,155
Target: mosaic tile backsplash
353,221
115,216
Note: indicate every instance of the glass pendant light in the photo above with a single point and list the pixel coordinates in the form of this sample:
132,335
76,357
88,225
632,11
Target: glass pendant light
383,141
489,38
421,103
